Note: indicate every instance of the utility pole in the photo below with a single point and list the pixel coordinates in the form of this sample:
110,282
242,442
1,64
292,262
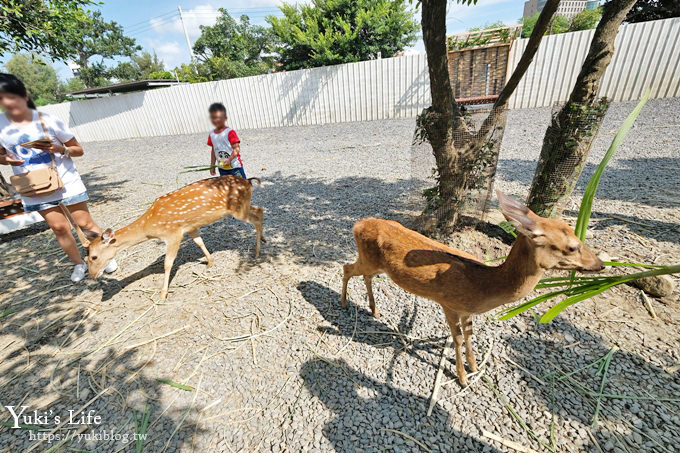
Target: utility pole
186,35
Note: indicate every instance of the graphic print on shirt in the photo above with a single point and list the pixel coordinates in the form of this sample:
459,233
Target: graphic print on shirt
222,143
30,156
222,155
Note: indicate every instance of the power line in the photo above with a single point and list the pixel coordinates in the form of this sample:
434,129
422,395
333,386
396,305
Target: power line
151,18
151,23
169,18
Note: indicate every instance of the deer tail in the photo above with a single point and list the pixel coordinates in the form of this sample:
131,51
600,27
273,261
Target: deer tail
259,183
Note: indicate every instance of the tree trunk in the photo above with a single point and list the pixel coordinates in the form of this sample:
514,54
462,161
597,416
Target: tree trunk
444,117
457,149
569,137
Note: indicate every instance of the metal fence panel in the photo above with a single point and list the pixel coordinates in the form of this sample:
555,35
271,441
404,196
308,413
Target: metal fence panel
647,56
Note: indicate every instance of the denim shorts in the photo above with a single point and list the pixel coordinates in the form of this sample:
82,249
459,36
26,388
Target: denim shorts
234,172
68,201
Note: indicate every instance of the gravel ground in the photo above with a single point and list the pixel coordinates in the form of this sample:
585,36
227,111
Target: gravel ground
272,361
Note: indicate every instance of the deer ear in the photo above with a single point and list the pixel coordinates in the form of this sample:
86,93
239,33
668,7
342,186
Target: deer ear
518,215
90,235
108,237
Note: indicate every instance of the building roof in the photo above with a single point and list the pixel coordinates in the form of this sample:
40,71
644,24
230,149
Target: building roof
125,87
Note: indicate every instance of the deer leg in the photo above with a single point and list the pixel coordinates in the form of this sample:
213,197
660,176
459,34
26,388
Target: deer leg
466,324
454,323
368,280
195,235
256,217
171,248
349,271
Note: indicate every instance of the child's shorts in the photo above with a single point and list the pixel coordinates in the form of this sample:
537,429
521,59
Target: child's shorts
234,172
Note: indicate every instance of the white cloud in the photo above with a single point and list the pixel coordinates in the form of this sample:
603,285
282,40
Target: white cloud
193,19
172,53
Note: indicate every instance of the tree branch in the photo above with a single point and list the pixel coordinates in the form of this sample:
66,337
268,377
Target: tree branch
600,53
540,28
434,37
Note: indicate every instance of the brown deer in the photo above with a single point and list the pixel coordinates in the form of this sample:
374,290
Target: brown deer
172,216
462,284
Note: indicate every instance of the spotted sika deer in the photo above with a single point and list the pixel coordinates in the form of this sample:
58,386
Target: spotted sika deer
459,282
181,212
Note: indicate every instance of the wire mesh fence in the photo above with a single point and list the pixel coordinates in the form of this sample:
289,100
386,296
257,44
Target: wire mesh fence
477,152
565,146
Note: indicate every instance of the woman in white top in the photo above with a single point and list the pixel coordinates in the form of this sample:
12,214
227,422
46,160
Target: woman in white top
20,124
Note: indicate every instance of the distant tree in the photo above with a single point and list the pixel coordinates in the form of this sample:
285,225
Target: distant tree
140,67
39,77
586,19
235,41
327,32
161,75
98,37
37,26
218,68
488,26
229,49
72,84
558,24
645,10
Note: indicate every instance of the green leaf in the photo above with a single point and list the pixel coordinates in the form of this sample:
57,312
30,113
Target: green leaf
508,228
557,309
587,202
175,384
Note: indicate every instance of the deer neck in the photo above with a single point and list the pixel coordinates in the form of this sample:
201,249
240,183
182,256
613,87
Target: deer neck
130,235
517,276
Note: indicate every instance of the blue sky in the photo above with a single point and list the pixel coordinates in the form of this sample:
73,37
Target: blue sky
155,23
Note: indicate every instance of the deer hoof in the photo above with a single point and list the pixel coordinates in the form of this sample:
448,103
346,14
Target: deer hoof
463,381
164,295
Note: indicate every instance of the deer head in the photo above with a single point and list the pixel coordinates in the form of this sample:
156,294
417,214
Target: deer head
554,243
100,251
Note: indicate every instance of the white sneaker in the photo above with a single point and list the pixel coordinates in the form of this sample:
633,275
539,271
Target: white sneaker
111,267
78,273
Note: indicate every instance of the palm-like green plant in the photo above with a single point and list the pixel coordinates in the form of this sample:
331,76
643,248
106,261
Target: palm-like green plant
577,289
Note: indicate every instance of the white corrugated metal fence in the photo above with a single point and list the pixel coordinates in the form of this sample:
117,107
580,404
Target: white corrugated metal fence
647,56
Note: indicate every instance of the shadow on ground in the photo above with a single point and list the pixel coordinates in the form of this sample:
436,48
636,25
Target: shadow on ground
372,416
307,220
629,180
651,423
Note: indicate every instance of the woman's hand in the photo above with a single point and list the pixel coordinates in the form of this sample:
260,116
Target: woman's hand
9,160
51,148
212,171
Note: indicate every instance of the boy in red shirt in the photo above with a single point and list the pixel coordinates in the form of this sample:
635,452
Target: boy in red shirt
225,144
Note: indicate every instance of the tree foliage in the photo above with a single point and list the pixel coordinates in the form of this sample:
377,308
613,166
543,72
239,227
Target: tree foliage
72,84
328,32
140,67
558,24
229,49
37,26
236,41
645,10
586,20
97,37
39,77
